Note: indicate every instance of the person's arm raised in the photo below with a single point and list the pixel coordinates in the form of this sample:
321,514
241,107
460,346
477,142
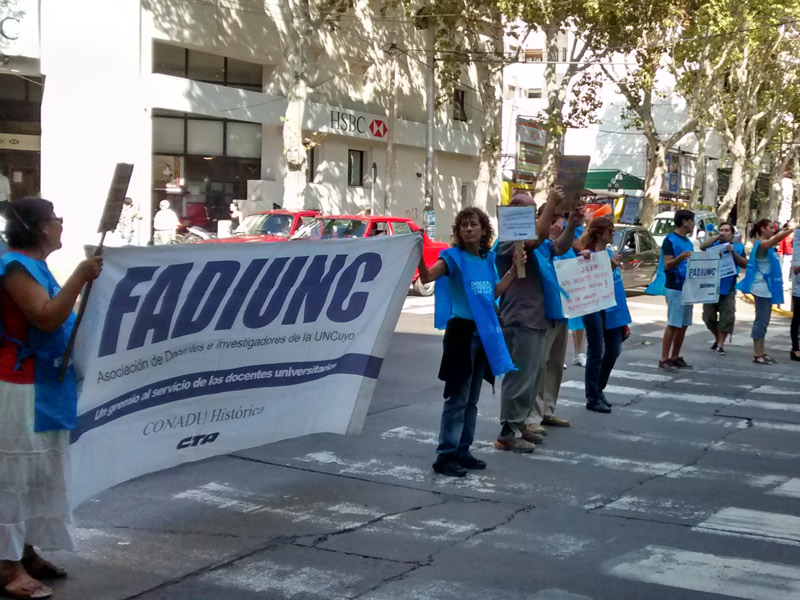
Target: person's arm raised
45,313
432,273
520,258
776,239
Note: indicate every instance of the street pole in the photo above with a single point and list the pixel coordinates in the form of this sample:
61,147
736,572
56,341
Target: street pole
430,94
392,118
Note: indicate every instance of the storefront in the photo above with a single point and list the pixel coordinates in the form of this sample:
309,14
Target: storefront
20,134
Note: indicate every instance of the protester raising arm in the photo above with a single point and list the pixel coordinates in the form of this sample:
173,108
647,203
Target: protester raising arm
776,239
567,237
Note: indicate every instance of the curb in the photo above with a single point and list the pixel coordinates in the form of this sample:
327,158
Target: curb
775,309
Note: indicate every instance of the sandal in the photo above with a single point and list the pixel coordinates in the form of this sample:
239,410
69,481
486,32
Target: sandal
770,360
39,568
764,359
25,587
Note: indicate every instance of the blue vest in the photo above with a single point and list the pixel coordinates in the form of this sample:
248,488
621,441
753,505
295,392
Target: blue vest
774,278
619,315
551,289
679,246
479,282
55,402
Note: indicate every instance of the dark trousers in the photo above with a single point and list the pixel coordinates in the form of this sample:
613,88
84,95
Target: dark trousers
460,411
794,329
603,346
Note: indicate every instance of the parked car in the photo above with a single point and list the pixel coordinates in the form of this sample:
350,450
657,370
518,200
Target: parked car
638,255
664,223
268,226
361,226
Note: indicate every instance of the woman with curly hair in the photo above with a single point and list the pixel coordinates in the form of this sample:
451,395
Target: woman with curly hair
604,328
474,348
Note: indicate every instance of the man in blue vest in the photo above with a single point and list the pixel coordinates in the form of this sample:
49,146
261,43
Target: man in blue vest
720,316
675,251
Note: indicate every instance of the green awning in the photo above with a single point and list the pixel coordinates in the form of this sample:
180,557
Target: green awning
599,180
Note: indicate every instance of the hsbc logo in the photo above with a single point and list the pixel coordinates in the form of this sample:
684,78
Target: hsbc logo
378,128
350,123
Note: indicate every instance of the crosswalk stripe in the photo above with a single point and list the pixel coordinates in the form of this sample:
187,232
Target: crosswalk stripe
783,529
727,576
419,310
790,489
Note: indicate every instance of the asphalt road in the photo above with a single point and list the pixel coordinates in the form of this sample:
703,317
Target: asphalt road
689,490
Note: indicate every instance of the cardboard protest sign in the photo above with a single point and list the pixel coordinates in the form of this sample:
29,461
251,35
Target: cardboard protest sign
516,223
589,284
116,197
702,279
630,211
192,351
727,267
571,176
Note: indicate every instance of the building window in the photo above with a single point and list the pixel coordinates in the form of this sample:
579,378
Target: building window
355,168
459,109
311,163
205,67
511,92
533,56
535,93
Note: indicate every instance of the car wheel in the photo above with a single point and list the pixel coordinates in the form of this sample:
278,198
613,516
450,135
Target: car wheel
423,289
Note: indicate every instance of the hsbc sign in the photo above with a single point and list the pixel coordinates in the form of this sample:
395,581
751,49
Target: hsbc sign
357,124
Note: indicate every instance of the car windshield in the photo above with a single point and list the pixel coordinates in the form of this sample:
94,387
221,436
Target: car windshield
324,229
662,227
280,225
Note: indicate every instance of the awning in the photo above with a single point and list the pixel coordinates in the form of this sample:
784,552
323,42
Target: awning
597,179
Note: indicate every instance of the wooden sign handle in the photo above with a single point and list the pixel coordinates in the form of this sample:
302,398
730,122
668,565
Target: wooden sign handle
520,247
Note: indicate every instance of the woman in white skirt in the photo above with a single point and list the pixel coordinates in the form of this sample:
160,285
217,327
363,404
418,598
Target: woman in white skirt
36,319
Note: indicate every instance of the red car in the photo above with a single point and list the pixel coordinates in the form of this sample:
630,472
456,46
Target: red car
359,226
268,226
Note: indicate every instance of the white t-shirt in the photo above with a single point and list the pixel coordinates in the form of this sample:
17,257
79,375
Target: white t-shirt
5,189
166,220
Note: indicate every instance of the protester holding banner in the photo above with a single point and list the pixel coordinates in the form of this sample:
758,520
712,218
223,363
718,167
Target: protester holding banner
763,279
675,251
557,333
720,316
35,408
474,349
604,328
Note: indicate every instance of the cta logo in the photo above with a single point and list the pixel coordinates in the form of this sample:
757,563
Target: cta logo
378,128
197,440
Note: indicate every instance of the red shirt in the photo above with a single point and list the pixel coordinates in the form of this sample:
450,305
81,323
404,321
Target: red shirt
785,245
14,324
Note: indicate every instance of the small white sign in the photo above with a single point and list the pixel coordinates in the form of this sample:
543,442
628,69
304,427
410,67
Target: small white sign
630,211
589,284
516,223
727,267
702,279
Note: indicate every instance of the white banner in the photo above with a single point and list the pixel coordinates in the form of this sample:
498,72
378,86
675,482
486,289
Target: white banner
193,351
588,283
702,279
727,267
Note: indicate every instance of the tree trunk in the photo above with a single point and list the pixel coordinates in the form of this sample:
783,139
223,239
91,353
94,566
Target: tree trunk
779,164
656,167
556,95
735,182
294,180
743,199
700,172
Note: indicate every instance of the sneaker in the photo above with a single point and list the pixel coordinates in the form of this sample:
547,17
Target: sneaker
449,467
530,436
581,359
604,400
470,462
679,363
598,407
667,365
555,422
536,428
514,444
721,351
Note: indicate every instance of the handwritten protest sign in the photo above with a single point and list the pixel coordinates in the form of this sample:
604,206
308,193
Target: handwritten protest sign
702,279
727,267
589,284
516,223
571,176
630,211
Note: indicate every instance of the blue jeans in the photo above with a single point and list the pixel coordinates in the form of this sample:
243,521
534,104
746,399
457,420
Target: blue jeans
603,346
460,412
763,313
